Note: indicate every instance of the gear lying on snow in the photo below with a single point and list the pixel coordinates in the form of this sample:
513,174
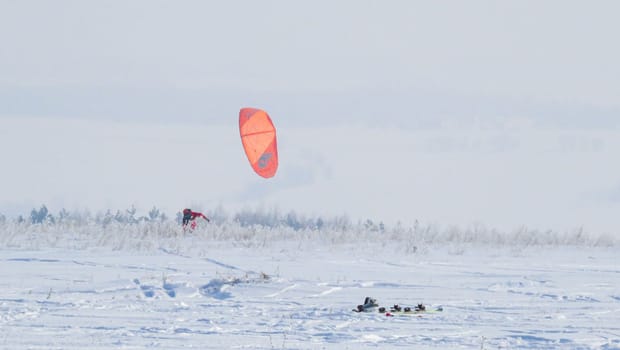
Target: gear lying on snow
370,304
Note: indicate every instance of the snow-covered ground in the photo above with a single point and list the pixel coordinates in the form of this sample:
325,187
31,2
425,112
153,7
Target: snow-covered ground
194,292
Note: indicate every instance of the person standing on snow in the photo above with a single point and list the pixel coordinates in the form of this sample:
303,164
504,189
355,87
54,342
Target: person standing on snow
189,215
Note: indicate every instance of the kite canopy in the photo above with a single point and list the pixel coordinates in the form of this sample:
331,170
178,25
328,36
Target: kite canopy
258,136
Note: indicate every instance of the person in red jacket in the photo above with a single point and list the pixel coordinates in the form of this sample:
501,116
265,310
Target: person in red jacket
189,215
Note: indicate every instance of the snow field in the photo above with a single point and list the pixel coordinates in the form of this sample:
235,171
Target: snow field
192,292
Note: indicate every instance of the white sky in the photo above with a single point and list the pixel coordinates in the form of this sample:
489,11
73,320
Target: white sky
395,79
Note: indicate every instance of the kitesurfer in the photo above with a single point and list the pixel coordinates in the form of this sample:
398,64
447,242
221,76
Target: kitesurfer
189,215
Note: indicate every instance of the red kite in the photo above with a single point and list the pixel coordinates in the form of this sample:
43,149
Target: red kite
258,136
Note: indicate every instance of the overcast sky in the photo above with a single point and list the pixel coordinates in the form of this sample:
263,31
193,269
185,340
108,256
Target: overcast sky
412,67
385,61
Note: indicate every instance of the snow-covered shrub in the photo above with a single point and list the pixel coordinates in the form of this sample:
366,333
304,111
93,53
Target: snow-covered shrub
125,230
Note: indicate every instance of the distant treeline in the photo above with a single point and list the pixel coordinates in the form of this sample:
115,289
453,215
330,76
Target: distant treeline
248,224
272,218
